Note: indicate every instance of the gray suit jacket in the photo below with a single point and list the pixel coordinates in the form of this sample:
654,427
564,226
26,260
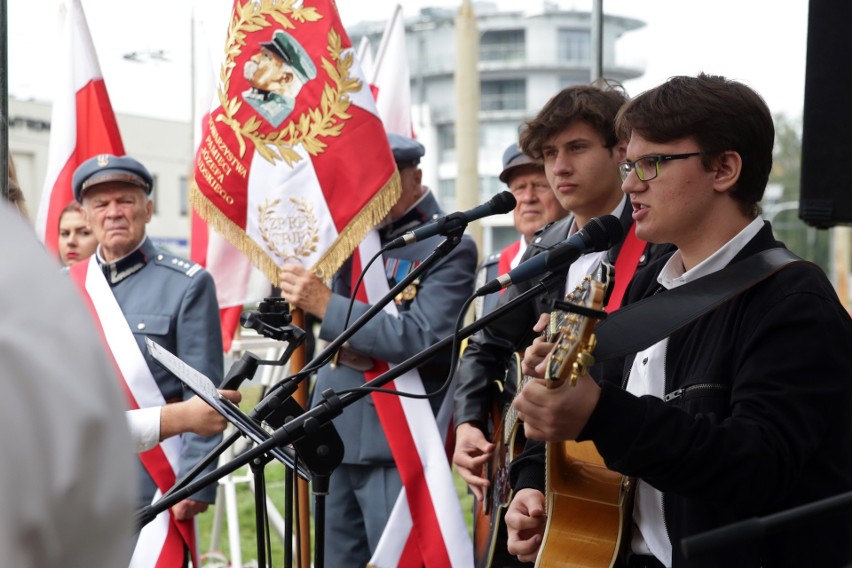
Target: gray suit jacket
427,318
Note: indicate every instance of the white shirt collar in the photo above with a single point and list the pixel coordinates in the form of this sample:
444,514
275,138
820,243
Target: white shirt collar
673,274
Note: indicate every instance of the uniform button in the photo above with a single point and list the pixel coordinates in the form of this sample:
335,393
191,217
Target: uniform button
645,361
140,326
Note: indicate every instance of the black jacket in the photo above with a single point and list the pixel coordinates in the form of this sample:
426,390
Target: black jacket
489,351
757,418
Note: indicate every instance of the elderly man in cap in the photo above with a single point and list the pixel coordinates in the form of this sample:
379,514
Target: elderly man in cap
536,207
364,488
139,291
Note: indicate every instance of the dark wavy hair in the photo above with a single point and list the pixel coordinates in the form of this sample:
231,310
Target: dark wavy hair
596,104
721,115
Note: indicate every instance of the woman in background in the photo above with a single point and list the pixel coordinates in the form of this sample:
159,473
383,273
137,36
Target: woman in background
76,240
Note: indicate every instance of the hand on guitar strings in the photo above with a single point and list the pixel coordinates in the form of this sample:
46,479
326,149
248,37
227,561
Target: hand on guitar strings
533,364
556,414
526,520
471,454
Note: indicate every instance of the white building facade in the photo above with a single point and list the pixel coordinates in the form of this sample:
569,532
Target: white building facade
524,59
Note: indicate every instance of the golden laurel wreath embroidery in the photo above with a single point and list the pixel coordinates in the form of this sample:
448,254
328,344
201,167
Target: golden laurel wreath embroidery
310,127
307,246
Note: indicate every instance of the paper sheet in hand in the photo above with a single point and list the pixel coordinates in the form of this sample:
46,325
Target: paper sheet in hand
203,387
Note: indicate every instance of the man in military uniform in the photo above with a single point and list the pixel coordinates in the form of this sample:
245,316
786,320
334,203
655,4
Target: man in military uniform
163,297
364,488
536,207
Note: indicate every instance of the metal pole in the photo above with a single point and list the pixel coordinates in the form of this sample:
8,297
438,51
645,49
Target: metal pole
4,102
596,64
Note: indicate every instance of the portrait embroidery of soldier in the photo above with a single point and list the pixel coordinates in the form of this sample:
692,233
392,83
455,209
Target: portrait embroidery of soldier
276,73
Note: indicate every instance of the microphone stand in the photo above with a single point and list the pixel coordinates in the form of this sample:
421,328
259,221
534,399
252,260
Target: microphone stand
328,408
756,528
332,405
285,388
271,408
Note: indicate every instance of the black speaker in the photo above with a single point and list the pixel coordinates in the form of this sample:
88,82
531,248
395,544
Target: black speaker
826,191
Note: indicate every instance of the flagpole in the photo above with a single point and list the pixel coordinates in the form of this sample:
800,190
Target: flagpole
383,46
4,102
303,512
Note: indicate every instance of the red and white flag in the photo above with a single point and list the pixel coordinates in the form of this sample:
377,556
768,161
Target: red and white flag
293,164
163,541
426,526
82,121
392,78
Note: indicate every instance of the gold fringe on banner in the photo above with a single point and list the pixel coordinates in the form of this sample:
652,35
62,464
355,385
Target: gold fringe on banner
341,249
354,232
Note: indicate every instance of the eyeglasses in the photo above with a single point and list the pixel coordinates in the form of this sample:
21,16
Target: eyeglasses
648,167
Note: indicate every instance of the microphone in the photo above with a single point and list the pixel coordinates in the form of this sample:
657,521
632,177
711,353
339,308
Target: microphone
599,234
500,203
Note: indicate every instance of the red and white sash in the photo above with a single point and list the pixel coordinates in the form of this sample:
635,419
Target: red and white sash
426,526
161,542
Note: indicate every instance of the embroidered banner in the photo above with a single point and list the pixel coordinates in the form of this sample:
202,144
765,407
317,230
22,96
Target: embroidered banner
293,162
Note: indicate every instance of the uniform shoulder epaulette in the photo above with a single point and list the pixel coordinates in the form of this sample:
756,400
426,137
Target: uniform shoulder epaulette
488,262
186,267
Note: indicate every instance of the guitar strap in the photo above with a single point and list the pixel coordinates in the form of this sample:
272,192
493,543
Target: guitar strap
638,326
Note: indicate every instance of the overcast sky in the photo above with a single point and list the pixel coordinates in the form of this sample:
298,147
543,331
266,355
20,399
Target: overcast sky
760,42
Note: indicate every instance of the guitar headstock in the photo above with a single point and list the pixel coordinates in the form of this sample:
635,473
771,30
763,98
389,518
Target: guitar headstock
571,355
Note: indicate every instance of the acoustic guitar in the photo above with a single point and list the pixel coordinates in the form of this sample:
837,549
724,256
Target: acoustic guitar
588,506
489,531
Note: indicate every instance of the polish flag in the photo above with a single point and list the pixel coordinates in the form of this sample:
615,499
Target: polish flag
82,122
391,78
426,526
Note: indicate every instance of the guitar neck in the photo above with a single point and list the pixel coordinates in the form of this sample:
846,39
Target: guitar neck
510,421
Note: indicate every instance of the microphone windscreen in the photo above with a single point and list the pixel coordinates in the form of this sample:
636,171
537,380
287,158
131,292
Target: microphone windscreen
604,232
503,202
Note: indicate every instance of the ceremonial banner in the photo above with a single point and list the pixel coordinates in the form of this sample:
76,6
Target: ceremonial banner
293,164
82,122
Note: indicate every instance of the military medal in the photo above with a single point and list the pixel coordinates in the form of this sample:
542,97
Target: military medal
408,293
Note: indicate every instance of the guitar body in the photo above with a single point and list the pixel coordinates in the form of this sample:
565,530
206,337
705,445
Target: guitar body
587,509
588,506
489,530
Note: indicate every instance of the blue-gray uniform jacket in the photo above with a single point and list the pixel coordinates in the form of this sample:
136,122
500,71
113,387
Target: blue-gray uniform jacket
427,317
487,271
172,301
